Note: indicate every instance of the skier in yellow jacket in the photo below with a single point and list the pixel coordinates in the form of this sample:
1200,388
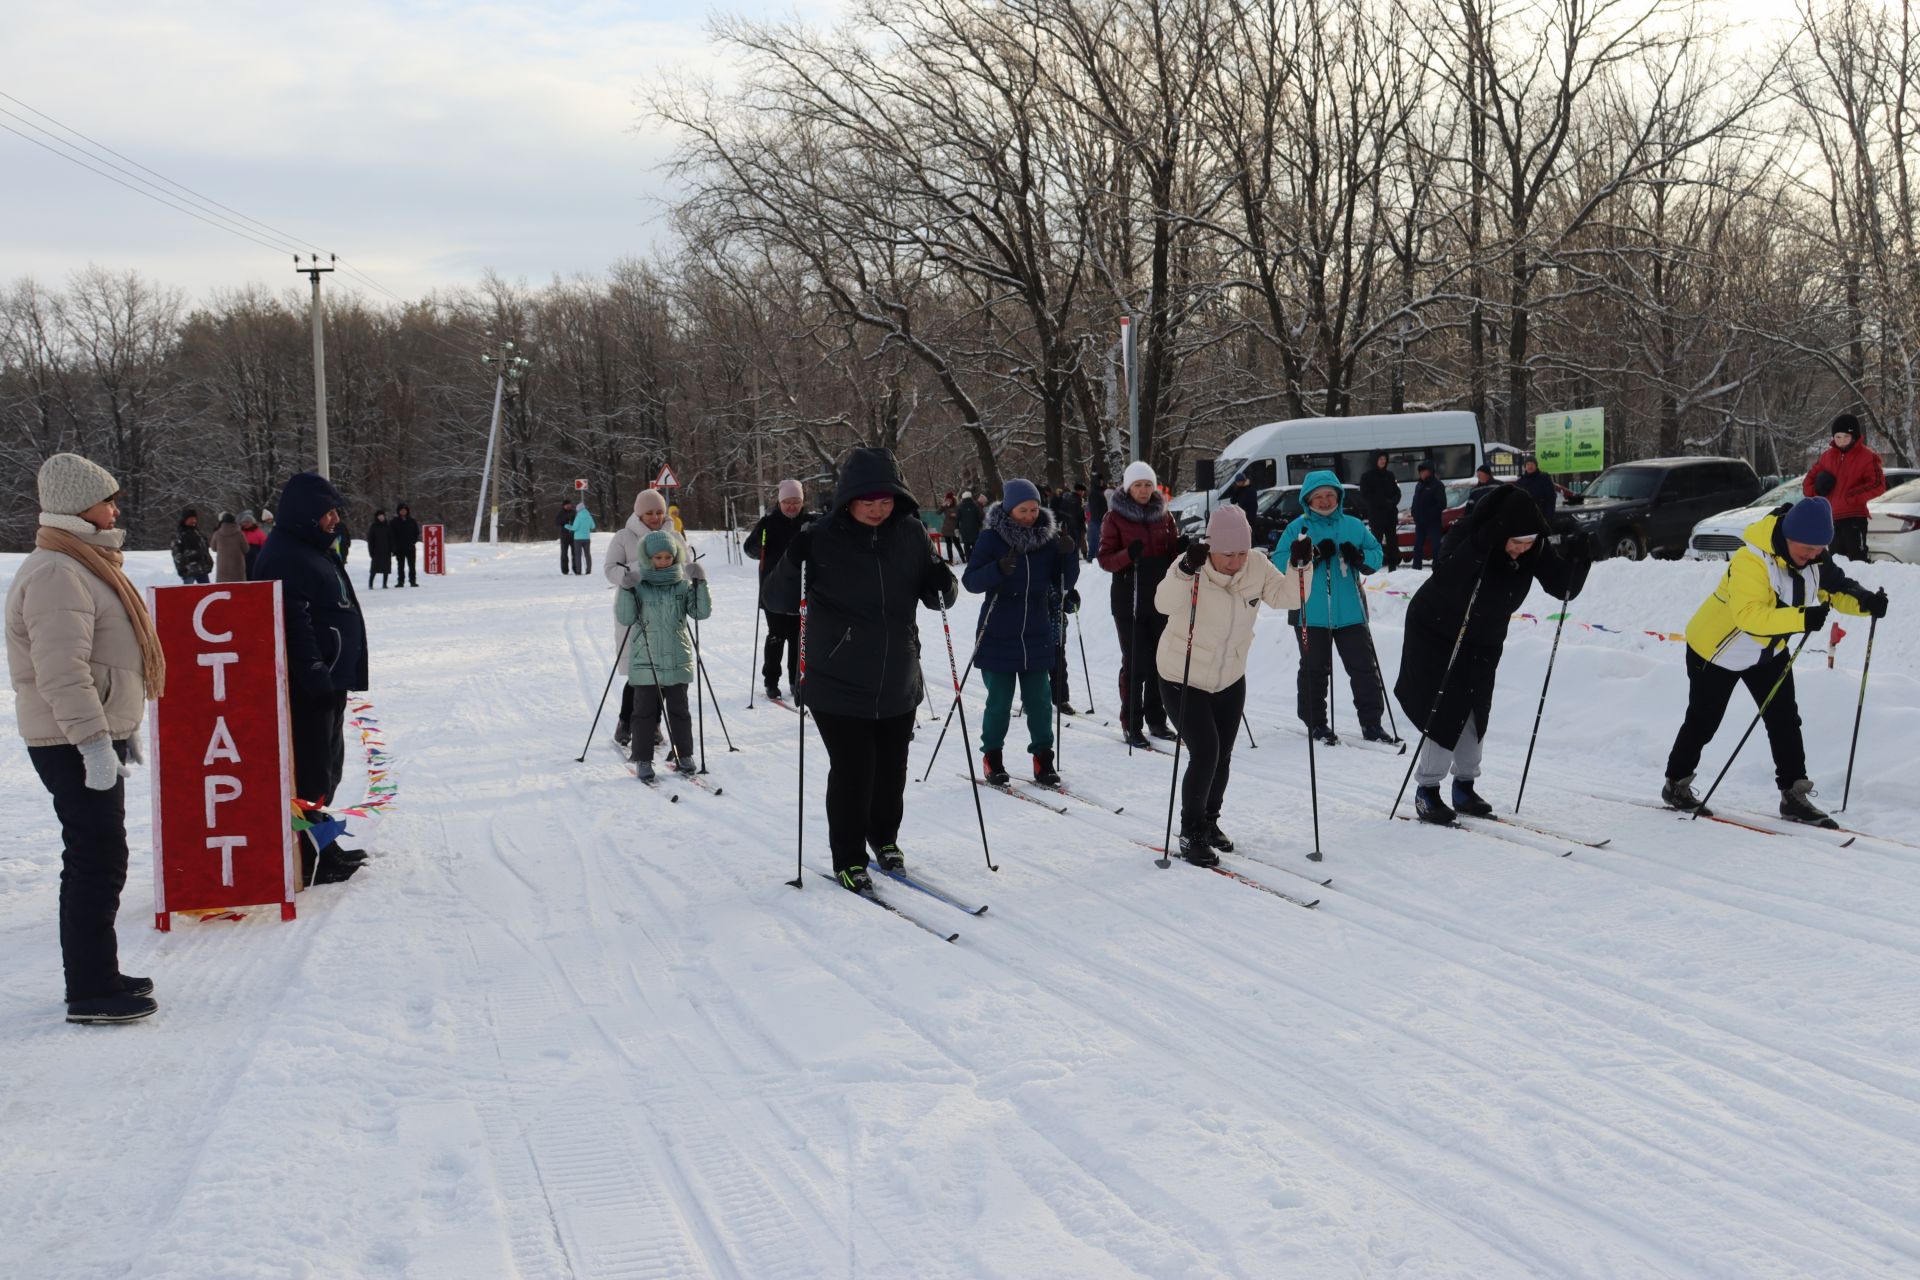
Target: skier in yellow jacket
1781,584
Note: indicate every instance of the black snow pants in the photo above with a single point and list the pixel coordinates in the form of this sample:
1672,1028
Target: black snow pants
1208,724
866,782
406,573
1316,675
650,701
783,632
319,744
1139,682
1709,688
93,868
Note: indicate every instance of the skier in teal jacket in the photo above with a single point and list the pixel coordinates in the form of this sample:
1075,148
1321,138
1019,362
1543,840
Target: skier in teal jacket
583,528
1341,550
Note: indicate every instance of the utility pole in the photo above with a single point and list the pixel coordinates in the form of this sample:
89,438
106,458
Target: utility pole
313,271
759,445
507,367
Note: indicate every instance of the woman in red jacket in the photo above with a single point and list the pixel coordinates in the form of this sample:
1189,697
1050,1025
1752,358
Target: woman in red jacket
1849,476
1138,543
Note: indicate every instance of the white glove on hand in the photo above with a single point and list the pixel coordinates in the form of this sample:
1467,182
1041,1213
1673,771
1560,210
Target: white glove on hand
104,769
696,572
134,754
629,579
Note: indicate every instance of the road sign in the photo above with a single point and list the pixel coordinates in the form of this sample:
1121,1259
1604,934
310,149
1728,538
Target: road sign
666,479
1573,442
579,485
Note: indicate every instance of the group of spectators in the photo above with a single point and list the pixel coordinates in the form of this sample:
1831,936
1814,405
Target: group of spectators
232,553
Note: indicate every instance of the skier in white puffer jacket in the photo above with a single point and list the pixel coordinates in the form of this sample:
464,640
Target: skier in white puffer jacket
623,566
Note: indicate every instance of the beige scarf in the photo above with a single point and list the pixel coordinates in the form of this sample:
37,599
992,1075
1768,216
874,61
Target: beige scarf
104,563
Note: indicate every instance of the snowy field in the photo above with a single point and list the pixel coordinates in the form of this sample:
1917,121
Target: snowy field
562,1027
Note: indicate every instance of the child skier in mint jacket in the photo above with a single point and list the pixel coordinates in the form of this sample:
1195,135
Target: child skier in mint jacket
661,659
1343,551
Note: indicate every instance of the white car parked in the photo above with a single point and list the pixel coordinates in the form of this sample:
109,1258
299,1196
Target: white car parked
1719,536
1893,523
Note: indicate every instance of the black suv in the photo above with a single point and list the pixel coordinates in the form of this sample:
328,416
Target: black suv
1637,509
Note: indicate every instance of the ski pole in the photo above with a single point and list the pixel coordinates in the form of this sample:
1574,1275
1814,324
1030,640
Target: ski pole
1445,675
752,683
1552,653
1313,768
1249,728
1378,675
1130,668
717,713
799,880
953,668
1858,707
1165,859
619,654
1764,704
1081,632
979,635
700,695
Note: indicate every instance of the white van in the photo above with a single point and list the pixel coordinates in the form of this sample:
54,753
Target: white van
1282,453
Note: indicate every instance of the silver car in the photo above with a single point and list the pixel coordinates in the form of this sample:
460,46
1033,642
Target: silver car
1719,536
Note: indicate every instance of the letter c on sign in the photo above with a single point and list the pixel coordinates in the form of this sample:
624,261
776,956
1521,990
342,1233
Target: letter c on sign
200,618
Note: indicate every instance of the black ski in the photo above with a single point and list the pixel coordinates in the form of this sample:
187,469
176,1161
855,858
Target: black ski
933,891
878,901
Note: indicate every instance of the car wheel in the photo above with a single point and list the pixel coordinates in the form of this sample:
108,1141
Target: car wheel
1627,545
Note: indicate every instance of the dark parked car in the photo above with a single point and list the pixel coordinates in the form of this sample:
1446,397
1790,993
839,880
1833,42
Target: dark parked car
1637,509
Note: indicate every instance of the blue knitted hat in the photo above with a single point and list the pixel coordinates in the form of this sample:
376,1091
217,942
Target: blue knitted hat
1810,521
1017,492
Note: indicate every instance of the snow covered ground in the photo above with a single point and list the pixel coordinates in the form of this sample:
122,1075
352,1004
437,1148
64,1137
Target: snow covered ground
563,1027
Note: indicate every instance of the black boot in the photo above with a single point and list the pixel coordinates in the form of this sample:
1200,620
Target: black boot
773,690
119,1007
1678,794
1043,771
996,771
622,734
1796,803
1160,729
1429,807
1374,733
1466,800
1216,837
1193,843
1138,740
891,857
135,986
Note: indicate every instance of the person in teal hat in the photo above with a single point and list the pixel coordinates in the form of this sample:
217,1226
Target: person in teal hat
661,661
1342,551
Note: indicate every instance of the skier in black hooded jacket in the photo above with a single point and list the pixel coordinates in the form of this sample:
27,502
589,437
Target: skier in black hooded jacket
863,568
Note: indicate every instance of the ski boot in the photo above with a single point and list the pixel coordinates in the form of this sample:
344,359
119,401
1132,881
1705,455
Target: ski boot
1374,733
856,879
685,764
643,769
1678,794
773,691
1796,804
1194,847
1466,800
1429,807
1161,730
1043,771
994,769
1138,740
1216,838
890,857
1324,736
622,734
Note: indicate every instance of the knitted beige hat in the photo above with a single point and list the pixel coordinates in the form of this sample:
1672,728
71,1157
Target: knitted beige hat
649,500
790,489
69,484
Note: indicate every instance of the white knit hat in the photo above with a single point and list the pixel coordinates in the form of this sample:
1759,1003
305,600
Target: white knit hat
69,484
1137,471
790,489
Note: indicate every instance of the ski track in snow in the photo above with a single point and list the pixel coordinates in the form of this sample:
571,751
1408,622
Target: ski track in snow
561,1027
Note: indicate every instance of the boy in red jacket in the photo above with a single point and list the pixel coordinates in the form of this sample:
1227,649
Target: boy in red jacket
1848,475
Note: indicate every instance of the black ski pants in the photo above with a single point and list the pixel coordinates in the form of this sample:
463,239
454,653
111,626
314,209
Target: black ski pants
650,702
1426,541
93,868
405,571
783,633
1139,681
1208,724
566,553
1315,680
1386,527
1850,537
866,782
319,725
1709,688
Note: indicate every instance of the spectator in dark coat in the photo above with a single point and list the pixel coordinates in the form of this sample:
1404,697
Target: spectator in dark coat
230,550
1096,512
1243,495
1538,485
564,521
972,513
405,532
379,550
192,558
1426,506
1380,500
326,638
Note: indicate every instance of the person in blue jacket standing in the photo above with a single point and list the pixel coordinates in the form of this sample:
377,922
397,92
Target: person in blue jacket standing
1343,551
1027,570
583,528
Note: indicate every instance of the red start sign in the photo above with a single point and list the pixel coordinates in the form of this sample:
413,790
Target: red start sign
433,538
222,754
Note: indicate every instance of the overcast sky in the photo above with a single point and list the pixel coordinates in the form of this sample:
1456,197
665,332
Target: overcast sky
425,141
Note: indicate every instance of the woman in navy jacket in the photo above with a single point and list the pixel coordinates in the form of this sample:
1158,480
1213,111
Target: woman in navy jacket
1027,570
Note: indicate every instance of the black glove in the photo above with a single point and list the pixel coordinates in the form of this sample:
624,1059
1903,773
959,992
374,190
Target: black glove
1009,562
1874,602
938,587
800,546
1065,545
1195,557
1302,554
1816,615
1136,551
1573,548
1181,543
1071,601
1354,556
1323,549
1823,482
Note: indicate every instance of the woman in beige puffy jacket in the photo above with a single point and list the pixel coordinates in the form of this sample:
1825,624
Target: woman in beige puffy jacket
84,659
1212,597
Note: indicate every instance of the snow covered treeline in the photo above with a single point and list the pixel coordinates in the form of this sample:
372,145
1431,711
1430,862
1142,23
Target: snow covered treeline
918,228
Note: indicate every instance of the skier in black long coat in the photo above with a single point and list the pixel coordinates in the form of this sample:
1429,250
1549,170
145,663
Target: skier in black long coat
869,566
1499,547
1380,499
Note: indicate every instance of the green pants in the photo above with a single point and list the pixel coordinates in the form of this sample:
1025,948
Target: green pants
1036,699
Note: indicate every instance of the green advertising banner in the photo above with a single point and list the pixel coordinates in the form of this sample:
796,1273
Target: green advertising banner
1571,443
